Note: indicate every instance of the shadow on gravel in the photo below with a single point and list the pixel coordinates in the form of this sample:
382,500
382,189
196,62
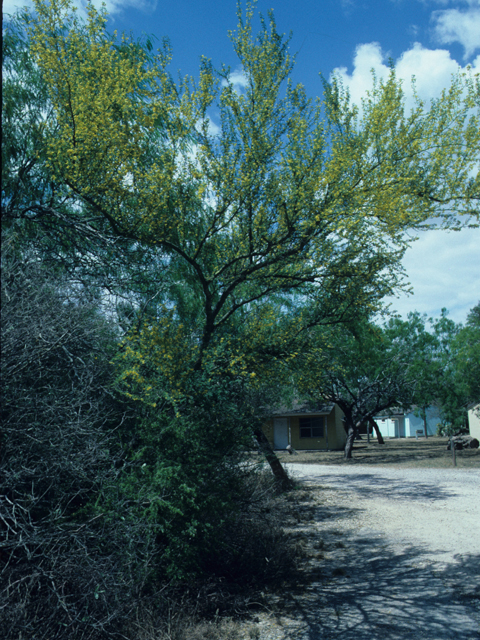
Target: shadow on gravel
367,591
369,485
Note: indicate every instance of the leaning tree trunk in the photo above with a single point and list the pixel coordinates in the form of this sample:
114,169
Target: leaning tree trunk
374,424
281,477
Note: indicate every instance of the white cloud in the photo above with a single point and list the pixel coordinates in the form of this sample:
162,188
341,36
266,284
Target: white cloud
454,25
115,6
10,6
444,269
368,57
238,79
432,68
112,6
213,128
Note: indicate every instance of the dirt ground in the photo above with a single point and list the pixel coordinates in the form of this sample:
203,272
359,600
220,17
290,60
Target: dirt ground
396,452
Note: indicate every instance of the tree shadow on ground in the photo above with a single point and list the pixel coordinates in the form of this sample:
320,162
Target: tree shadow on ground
382,595
369,485
368,589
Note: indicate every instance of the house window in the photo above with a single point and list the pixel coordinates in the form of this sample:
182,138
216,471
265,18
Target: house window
311,427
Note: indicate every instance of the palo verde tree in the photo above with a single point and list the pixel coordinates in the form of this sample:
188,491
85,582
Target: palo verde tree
40,212
306,201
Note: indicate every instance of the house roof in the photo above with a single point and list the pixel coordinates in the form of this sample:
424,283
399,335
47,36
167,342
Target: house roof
396,412
298,408
393,412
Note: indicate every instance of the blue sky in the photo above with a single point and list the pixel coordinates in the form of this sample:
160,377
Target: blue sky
429,38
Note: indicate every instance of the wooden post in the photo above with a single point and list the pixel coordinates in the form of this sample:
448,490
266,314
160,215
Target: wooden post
454,453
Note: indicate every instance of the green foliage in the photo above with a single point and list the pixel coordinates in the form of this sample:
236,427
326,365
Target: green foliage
105,503
443,365
406,363
41,212
292,197
189,467
420,350
466,355
25,115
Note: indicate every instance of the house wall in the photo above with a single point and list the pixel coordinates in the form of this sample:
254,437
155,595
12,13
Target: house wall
308,443
416,422
389,427
474,421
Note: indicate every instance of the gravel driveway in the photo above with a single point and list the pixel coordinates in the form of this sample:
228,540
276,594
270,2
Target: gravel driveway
401,557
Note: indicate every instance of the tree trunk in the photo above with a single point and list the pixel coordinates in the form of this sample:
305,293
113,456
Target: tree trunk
374,424
424,415
351,433
281,477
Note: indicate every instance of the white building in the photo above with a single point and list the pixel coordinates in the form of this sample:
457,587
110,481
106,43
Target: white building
404,424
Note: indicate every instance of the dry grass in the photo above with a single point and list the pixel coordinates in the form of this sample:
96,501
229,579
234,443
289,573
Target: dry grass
399,452
185,627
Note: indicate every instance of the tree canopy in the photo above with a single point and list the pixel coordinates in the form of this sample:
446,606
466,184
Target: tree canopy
308,199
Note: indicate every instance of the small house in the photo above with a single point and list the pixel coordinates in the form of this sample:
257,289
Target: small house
396,423
306,427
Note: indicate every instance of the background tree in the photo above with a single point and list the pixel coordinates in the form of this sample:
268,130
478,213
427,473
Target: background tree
442,376
366,369
360,368
420,350
467,355
460,358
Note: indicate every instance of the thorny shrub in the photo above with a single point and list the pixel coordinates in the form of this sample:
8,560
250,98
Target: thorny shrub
83,554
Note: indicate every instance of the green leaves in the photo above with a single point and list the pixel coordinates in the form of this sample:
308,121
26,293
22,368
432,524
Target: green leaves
290,198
